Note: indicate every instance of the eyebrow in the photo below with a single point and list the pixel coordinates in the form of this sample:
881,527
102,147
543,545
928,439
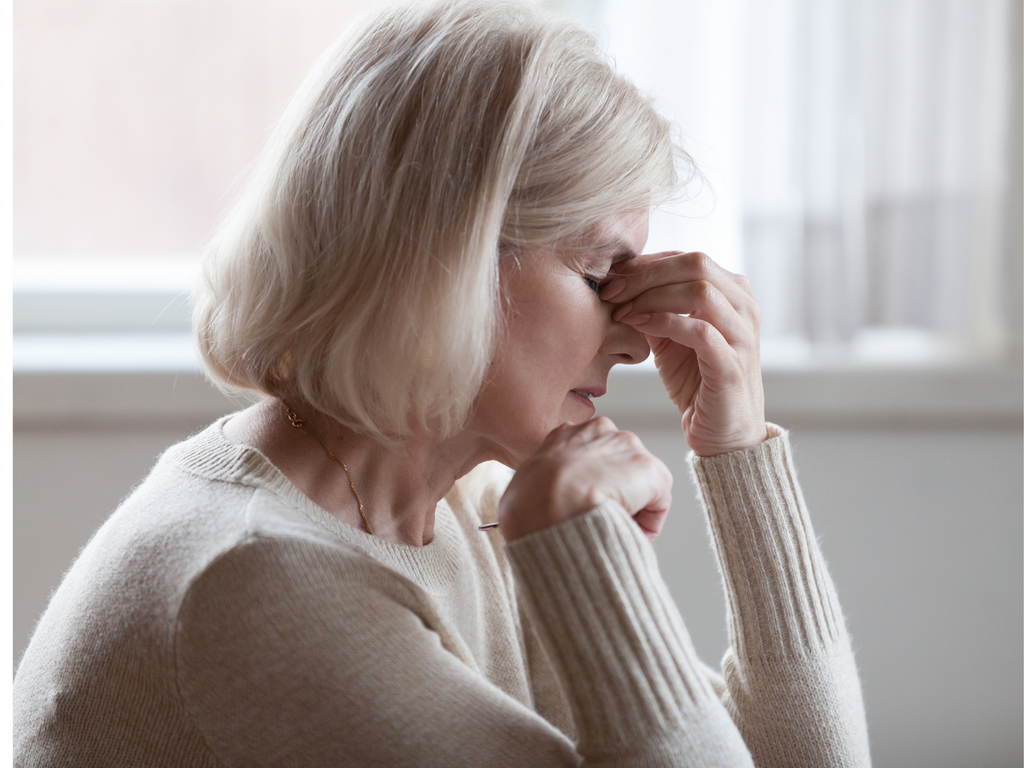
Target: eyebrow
625,252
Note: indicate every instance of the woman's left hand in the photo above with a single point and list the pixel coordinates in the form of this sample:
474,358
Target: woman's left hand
703,325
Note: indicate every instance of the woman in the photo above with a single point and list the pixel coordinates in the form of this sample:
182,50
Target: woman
433,269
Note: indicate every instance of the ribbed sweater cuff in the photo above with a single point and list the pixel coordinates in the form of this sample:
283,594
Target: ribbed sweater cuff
782,602
627,664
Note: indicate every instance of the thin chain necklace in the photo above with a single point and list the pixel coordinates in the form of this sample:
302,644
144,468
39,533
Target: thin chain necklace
300,423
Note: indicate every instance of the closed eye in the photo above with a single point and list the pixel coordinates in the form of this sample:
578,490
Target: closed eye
593,283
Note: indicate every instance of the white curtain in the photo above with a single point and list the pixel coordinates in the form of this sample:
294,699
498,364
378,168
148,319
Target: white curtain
858,153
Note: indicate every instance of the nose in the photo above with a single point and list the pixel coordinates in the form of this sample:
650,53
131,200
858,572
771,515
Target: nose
626,344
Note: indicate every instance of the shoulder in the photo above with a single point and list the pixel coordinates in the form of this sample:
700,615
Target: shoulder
270,605
202,501
293,576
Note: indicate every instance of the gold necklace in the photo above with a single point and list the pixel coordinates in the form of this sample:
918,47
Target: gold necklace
300,423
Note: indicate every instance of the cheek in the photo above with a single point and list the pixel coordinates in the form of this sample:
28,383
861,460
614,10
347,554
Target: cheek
548,342
553,346
537,362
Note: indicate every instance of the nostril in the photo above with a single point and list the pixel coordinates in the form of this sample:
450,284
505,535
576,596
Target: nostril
627,345
640,349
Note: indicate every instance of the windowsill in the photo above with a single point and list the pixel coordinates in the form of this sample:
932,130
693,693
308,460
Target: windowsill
106,353
150,380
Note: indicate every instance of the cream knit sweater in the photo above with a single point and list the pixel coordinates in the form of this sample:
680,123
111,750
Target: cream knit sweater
220,618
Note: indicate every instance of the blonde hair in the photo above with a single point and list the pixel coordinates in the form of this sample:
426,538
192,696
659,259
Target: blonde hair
359,269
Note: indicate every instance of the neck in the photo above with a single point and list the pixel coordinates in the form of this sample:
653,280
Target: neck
400,486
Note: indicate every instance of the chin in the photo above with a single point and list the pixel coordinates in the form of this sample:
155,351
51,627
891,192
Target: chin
519,444
513,452
577,418
577,413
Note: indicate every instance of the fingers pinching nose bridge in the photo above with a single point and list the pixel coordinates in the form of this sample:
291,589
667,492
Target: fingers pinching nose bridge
613,289
621,312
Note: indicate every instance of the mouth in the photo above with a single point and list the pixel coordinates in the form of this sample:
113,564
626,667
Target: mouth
587,395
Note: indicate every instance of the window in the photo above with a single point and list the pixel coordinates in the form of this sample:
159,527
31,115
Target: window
132,124
861,157
863,160
132,120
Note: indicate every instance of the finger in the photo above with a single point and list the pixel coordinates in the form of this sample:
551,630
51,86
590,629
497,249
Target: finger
648,271
651,522
576,433
713,352
630,474
698,298
651,519
648,488
600,425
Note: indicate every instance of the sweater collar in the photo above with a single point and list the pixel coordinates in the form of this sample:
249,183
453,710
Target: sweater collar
434,567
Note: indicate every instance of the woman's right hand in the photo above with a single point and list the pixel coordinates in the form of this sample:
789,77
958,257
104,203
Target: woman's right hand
577,467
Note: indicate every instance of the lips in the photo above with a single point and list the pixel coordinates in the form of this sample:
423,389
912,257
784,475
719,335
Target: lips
589,392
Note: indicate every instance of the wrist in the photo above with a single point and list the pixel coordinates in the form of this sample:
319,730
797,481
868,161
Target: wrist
719,447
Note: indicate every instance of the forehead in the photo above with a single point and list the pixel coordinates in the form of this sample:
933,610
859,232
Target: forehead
620,234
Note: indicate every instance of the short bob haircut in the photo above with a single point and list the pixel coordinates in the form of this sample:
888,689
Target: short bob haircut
359,268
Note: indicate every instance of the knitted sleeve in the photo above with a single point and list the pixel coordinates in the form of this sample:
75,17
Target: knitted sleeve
625,659
286,653
291,653
638,693
790,682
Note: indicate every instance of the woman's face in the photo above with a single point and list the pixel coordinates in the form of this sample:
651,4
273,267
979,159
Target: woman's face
559,340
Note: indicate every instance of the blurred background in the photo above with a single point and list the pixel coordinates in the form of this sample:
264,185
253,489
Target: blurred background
861,161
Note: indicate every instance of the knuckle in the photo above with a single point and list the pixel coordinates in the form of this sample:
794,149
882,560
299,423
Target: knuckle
743,282
703,289
705,332
755,313
561,431
628,440
700,262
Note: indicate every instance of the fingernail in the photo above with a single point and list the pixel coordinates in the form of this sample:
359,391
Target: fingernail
621,312
636,319
613,289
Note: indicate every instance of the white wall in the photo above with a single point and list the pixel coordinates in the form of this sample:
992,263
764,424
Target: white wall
921,525
922,531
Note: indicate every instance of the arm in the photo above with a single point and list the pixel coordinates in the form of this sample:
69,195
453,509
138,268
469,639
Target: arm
291,652
620,649
792,687
791,684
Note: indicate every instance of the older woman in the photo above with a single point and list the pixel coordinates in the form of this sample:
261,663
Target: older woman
435,265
